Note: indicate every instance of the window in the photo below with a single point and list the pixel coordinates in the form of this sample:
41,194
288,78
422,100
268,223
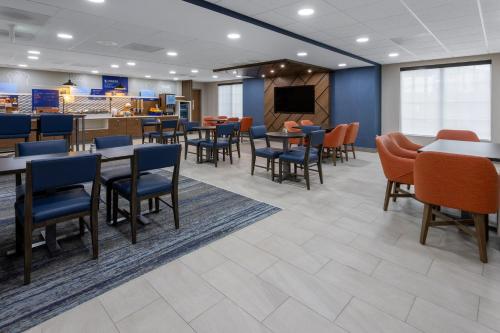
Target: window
231,100
452,97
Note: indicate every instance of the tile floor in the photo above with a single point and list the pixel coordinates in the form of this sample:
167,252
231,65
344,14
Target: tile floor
331,261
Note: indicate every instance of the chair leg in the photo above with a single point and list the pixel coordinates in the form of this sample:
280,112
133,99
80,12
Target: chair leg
320,171
253,165
396,191
306,176
94,234
388,191
268,165
157,205
19,236
223,154
281,171
175,206
480,225
334,156
426,222
341,156
216,156
27,254
486,228
353,151
109,193
115,207
231,153
81,223
186,151
272,169
238,148
133,220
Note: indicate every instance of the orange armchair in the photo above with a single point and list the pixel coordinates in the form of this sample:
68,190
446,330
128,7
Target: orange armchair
398,170
306,122
233,120
209,121
350,138
468,183
402,141
245,124
290,126
460,135
334,140
397,150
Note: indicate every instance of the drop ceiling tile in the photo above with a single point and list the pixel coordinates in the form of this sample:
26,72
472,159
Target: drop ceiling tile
376,10
274,18
347,4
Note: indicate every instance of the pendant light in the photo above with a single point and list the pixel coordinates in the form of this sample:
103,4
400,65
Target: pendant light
120,87
69,83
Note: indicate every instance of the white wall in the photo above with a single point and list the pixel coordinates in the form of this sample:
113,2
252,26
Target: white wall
391,99
26,80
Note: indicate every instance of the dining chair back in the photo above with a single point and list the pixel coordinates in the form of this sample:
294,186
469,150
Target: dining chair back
333,142
308,129
350,139
233,119
467,183
113,141
145,123
267,152
292,126
55,125
245,124
189,127
306,122
168,131
398,170
459,135
41,147
222,141
46,204
15,126
397,150
403,141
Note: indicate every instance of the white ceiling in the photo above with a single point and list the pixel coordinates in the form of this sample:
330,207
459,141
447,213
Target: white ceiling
417,29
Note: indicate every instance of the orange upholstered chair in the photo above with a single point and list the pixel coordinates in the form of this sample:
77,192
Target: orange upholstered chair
396,149
290,126
404,142
222,117
398,170
460,135
334,140
209,121
306,122
233,120
468,183
245,124
350,138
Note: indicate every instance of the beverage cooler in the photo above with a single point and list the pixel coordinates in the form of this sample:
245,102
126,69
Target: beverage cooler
183,109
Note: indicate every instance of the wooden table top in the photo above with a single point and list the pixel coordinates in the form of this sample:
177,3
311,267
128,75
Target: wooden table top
481,149
285,135
13,165
121,153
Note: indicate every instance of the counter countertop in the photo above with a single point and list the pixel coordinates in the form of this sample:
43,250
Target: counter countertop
108,116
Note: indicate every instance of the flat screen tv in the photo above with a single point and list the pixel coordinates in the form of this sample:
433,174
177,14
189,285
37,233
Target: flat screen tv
297,99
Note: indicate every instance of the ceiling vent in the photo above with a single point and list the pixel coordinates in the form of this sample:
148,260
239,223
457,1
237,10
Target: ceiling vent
22,16
142,47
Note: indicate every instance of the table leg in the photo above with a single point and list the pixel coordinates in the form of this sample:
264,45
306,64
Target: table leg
83,133
51,239
77,129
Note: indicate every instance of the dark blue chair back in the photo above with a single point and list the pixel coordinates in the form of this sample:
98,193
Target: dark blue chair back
236,126
59,124
157,157
148,122
14,125
189,126
41,147
65,171
310,128
169,124
225,130
316,138
258,132
183,121
113,141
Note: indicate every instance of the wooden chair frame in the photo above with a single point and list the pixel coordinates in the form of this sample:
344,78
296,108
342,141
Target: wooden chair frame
270,161
213,152
186,145
394,191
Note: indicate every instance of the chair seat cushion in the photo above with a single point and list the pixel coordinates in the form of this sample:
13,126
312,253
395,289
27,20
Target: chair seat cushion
179,133
14,136
221,143
268,152
56,133
58,204
303,149
195,142
164,134
21,190
298,156
146,185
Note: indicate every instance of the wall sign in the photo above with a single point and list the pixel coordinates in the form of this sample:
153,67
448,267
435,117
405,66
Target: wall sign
44,98
109,83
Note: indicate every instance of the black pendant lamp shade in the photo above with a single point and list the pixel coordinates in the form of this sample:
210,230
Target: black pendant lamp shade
120,87
69,83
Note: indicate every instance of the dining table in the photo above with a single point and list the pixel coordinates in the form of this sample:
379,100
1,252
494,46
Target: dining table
285,137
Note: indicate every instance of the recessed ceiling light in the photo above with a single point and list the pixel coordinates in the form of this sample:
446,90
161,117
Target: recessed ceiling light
393,54
194,71
172,72
63,35
342,65
22,65
238,76
34,52
172,54
176,78
305,12
95,71
147,76
32,57
309,71
282,65
131,63
362,39
215,76
263,75
233,35
235,72
302,54
96,1
115,66
272,71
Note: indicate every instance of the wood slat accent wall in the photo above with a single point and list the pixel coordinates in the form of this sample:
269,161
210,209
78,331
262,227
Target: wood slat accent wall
321,116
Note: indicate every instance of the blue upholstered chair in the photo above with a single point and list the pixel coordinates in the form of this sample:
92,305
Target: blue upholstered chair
236,136
44,204
306,157
195,142
111,174
269,153
145,123
24,149
15,126
180,130
55,125
222,140
310,128
144,187
168,132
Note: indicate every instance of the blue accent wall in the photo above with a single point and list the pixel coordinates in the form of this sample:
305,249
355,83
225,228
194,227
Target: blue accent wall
355,96
253,100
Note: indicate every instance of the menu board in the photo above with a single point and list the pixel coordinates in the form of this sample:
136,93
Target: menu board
44,98
109,83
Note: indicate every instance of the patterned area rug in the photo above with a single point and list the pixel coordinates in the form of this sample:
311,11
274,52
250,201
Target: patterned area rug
71,277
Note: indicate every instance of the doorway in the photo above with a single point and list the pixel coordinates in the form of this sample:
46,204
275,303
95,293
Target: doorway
196,107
